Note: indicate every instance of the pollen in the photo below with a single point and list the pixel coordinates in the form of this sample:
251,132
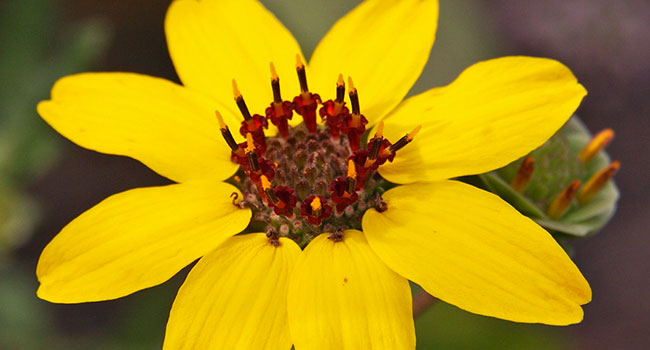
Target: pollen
352,173
315,204
265,182
314,177
250,145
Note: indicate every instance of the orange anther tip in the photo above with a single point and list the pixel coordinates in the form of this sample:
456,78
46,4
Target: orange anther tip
571,189
380,130
351,85
299,64
563,200
315,204
525,172
340,82
222,124
596,144
597,182
265,182
250,146
235,89
415,131
352,171
274,73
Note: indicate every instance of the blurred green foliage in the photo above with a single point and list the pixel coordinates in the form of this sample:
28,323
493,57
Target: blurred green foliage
33,54
29,65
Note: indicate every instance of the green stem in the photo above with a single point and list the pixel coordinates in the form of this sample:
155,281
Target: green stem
422,302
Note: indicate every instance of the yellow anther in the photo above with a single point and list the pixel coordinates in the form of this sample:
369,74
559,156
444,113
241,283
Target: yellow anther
299,64
265,182
250,146
351,87
596,144
597,182
340,82
520,181
410,136
235,90
222,124
563,200
274,74
352,171
379,133
315,204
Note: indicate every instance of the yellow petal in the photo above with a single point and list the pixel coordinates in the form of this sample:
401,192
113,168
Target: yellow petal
383,45
235,297
214,41
170,129
495,112
471,249
137,239
341,296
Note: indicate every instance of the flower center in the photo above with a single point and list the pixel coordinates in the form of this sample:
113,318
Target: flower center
311,178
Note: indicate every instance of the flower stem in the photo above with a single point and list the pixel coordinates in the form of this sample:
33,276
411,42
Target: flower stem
422,302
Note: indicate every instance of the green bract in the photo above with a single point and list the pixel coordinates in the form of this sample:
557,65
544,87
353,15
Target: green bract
556,165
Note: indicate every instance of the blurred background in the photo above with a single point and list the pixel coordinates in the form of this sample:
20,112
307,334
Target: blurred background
46,181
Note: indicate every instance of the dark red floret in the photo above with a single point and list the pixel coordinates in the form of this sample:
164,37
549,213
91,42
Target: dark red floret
338,195
359,158
243,160
333,119
288,201
267,168
280,116
307,109
255,126
313,217
354,132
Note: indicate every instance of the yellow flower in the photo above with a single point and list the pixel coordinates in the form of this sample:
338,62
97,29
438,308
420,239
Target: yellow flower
348,289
